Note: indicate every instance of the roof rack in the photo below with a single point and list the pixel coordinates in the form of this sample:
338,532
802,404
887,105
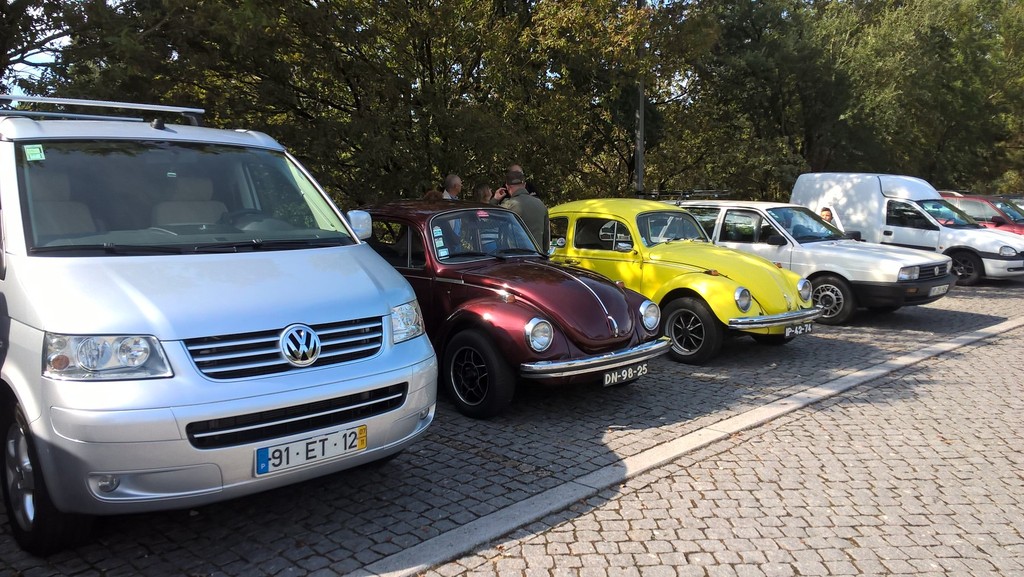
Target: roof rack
688,194
194,115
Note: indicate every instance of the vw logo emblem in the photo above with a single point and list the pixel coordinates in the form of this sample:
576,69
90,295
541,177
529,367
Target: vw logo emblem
300,345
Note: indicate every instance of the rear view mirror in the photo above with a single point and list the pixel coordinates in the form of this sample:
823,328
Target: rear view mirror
361,223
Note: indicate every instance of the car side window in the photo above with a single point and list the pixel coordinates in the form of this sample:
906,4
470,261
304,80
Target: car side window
977,210
398,243
601,234
902,214
559,231
740,226
706,217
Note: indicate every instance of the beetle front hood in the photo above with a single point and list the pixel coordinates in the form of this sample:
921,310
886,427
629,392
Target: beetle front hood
773,288
592,310
178,297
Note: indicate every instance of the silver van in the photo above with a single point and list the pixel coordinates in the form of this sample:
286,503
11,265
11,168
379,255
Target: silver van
186,318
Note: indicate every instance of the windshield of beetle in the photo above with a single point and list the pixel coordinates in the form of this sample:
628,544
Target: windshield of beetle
668,225
947,215
804,225
477,233
141,197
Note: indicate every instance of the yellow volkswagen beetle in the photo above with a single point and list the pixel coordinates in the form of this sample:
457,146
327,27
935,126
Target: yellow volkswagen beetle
705,291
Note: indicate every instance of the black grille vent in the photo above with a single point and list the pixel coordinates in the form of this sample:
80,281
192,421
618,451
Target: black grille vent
267,425
928,271
256,354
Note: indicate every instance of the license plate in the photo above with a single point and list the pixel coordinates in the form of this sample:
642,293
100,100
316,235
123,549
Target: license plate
298,453
938,290
799,330
625,374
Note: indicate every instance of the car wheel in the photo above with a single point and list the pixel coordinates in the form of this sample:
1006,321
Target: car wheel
480,382
835,297
967,267
37,525
695,332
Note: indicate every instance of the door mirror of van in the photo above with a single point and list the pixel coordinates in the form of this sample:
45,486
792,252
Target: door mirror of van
776,240
361,223
852,235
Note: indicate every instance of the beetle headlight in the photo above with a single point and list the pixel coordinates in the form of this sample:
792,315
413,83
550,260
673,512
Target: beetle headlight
406,322
651,315
1007,251
111,357
909,273
804,288
742,298
539,334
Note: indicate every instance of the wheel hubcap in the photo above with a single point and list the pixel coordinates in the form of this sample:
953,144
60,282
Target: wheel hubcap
19,477
469,376
687,333
830,299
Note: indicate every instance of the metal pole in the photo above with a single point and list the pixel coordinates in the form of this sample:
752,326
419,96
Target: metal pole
639,152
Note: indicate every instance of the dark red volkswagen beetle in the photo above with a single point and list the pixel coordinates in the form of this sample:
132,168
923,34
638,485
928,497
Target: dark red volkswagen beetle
498,311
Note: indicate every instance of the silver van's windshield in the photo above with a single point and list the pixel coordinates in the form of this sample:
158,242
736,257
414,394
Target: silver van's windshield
121,197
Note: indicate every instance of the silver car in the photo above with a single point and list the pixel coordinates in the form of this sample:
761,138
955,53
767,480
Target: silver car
186,318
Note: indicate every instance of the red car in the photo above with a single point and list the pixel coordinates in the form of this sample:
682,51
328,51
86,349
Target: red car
498,311
989,211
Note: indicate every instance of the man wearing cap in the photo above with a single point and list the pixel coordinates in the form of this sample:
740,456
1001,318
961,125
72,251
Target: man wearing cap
531,209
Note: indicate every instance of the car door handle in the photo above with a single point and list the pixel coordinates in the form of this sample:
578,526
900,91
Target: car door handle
572,261
886,233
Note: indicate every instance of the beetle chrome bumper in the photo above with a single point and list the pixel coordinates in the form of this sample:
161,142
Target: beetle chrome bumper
594,364
779,320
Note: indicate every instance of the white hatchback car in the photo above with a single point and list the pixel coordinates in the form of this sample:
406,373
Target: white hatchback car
186,318
846,274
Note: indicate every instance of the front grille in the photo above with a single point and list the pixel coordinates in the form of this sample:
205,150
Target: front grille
277,423
930,271
257,354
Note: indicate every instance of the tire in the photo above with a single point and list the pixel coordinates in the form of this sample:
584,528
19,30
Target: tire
476,376
835,297
968,268
37,525
695,332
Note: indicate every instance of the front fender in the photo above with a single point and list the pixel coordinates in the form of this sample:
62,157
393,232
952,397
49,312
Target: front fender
716,291
505,323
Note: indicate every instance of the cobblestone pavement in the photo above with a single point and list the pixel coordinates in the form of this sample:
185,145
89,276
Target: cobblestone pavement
914,467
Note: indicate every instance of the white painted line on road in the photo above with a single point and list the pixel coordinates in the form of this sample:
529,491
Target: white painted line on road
486,529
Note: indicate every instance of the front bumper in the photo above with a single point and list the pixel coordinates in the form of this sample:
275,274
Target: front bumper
898,294
594,364
780,320
158,465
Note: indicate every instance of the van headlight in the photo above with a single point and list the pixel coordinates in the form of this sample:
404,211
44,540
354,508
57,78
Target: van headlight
804,289
1007,251
101,358
406,322
742,298
909,273
539,334
651,315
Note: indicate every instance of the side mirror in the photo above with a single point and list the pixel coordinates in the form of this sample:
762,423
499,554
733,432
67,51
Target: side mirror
999,220
852,235
776,240
361,223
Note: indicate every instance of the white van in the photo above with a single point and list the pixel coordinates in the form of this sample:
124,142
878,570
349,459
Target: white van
186,318
907,211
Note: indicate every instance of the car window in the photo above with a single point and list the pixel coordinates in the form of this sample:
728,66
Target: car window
741,226
802,223
904,214
123,195
706,217
601,234
559,231
479,233
978,210
947,214
1010,209
398,243
668,225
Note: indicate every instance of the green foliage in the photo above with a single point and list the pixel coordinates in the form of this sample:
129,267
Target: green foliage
382,99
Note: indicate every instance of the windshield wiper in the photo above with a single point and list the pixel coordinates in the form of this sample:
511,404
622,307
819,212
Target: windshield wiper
257,244
111,249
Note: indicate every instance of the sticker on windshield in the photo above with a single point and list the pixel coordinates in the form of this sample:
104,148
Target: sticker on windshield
442,253
34,152
439,242
437,231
